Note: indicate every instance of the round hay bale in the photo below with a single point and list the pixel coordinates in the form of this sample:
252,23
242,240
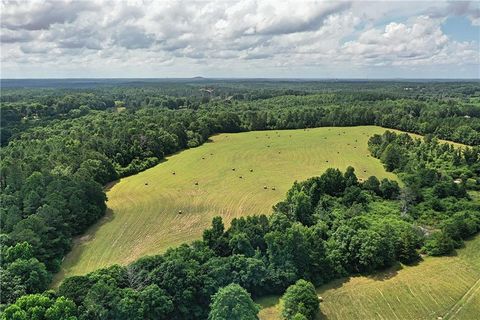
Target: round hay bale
279,152
146,183
180,212
203,158
265,187
173,172
320,299
233,169
196,183
326,160
251,170
273,188
241,177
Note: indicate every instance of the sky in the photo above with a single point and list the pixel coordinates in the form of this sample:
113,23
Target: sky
240,39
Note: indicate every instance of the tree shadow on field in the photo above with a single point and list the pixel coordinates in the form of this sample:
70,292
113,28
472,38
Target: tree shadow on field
334,284
268,301
110,185
385,274
80,241
79,244
338,283
452,254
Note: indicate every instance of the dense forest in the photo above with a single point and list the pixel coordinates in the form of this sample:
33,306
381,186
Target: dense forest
60,145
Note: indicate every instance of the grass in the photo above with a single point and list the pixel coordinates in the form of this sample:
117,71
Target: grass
447,287
143,210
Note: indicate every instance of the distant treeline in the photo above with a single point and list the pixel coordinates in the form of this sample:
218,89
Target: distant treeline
447,110
63,145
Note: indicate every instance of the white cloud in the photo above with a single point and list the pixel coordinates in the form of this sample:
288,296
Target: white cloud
40,15
256,37
421,41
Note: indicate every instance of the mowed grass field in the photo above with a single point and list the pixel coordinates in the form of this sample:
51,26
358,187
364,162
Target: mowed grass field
143,210
447,287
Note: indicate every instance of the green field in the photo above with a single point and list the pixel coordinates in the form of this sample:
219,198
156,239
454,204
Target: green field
447,287
143,216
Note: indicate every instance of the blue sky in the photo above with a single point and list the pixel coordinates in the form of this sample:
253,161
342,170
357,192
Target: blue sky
244,38
460,28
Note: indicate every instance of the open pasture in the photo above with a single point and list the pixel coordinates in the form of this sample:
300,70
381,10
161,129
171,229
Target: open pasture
233,175
436,288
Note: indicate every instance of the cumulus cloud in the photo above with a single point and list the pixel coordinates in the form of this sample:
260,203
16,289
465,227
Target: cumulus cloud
419,41
229,38
275,18
469,9
39,15
14,36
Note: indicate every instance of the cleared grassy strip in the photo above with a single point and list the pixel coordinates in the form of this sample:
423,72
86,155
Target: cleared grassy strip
447,287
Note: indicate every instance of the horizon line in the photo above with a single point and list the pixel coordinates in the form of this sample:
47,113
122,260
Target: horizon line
231,78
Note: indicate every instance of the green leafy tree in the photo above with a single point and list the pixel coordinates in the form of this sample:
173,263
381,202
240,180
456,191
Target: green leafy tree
372,184
32,273
350,177
439,244
240,244
332,182
98,303
214,237
62,309
126,306
155,303
302,207
234,303
407,251
299,316
392,157
300,298
389,189
75,288
41,307
352,195
22,250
